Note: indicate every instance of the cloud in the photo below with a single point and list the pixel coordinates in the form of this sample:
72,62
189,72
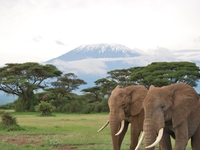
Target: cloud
188,55
197,40
86,66
59,43
37,38
98,66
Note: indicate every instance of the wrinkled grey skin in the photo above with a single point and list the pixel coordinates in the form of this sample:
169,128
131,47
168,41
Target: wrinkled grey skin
126,104
176,108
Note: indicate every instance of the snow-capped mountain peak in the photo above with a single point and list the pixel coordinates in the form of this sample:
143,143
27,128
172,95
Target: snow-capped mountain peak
101,48
98,51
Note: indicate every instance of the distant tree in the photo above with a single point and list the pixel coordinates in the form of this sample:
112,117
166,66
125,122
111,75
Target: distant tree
114,78
23,79
95,102
121,76
106,86
45,108
60,91
93,93
165,73
66,84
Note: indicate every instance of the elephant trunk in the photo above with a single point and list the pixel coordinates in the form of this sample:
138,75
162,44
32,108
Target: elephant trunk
153,125
150,134
160,133
114,127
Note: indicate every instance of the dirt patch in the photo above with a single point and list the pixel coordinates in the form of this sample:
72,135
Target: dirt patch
29,140
64,148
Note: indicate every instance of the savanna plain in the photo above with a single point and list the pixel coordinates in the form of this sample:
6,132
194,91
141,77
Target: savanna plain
60,132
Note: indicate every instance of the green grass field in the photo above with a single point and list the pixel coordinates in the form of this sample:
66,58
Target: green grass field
79,131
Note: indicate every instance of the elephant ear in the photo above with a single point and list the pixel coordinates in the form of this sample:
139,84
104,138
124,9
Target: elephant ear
151,87
185,99
118,86
137,94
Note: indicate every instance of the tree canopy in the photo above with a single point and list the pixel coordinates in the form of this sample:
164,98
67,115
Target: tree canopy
66,84
165,73
23,79
121,76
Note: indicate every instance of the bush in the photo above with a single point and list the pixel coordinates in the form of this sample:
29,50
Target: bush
45,108
7,106
8,119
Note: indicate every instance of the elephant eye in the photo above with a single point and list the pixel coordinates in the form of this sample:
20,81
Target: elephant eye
163,106
123,104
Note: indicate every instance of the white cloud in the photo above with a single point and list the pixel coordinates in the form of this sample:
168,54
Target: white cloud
86,66
99,66
140,24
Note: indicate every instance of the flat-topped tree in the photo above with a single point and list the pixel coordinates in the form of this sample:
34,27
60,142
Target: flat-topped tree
23,79
166,73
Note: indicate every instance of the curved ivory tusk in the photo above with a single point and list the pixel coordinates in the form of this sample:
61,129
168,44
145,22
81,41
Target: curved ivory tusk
140,141
103,126
160,134
121,129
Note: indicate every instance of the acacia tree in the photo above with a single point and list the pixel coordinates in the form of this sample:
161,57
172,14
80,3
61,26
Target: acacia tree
106,86
121,76
165,73
62,88
23,79
93,93
65,84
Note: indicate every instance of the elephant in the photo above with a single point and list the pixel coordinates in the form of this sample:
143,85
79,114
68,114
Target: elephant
171,111
125,105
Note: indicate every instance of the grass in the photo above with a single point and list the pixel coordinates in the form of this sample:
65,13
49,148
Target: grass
79,131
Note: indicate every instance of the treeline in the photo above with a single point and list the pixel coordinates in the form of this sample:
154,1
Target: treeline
25,80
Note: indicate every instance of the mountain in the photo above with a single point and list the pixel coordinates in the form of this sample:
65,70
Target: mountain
92,62
97,51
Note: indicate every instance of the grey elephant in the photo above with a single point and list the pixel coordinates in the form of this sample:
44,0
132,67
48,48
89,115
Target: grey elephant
125,106
174,111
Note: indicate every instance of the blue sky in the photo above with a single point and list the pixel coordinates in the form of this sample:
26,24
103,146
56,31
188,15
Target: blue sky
39,30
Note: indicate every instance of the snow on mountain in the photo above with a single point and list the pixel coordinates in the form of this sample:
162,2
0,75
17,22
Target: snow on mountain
97,59
101,48
92,62
98,51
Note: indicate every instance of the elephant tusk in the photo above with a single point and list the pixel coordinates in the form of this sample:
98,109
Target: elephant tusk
160,134
103,126
121,129
140,141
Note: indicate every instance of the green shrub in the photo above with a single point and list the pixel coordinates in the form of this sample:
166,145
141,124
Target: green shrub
7,106
8,119
45,108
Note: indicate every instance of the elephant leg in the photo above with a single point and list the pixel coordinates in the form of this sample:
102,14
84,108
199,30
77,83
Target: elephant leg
165,142
136,129
121,136
195,139
181,136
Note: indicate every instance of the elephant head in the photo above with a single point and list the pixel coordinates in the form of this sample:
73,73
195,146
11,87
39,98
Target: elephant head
166,105
124,103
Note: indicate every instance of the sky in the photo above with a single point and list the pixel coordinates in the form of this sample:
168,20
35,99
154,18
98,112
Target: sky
39,30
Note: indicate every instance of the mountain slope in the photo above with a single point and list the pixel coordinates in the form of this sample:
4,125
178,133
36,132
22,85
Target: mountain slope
92,62
97,51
